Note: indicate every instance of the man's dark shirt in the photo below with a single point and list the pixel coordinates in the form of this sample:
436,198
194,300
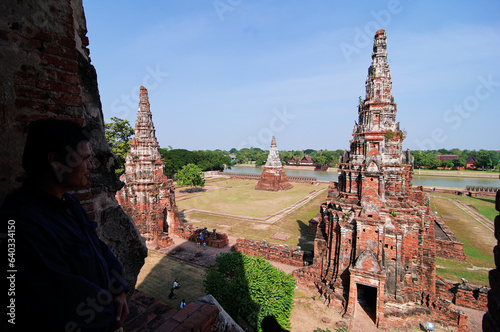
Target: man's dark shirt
66,276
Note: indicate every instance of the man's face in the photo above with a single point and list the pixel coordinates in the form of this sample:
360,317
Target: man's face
78,164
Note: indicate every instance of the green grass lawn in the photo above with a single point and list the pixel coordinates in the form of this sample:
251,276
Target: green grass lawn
294,224
478,240
239,197
484,205
454,270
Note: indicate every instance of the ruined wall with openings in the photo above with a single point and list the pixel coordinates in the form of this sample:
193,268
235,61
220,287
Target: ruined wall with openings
271,251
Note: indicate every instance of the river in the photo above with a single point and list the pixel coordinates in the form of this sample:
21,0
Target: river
418,180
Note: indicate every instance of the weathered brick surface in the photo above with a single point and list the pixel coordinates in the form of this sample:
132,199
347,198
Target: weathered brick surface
274,252
190,233
447,245
149,314
46,73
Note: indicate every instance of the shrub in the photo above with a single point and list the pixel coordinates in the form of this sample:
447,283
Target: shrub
250,288
389,135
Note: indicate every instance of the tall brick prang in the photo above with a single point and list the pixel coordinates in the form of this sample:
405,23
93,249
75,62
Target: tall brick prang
375,240
273,177
148,195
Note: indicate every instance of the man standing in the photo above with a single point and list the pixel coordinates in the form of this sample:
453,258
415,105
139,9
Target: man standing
66,278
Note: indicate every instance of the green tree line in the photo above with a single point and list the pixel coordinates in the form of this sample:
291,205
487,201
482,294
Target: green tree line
258,156
119,132
483,159
206,160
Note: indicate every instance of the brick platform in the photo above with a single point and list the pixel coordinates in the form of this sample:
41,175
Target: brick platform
149,314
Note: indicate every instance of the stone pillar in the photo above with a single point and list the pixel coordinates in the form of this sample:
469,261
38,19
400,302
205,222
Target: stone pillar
380,320
353,294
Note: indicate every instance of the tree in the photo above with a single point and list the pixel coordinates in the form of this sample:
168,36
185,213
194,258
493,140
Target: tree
250,288
321,160
447,163
260,159
459,162
175,159
328,157
118,134
483,160
309,151
190,175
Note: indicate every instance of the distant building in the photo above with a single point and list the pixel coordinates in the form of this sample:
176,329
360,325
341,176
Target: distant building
469,164
233,158
293,161
306,161
447,157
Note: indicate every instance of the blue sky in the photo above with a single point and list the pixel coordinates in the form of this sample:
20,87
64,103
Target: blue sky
232,73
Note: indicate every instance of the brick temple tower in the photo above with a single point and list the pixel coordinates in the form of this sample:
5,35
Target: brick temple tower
375,238
148,195
273,177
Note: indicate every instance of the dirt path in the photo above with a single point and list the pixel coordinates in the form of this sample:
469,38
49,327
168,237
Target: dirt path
362,322
474,214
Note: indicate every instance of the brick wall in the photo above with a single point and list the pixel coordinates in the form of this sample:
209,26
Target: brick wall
39,76
46,73
464,294
451,250
449,246
188,232
274,252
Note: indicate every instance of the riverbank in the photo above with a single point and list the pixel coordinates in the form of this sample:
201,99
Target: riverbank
289,167
461,174
426,172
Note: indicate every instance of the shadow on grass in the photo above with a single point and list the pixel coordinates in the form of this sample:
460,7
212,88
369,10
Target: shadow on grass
157,284
488,200
189,264
193,190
